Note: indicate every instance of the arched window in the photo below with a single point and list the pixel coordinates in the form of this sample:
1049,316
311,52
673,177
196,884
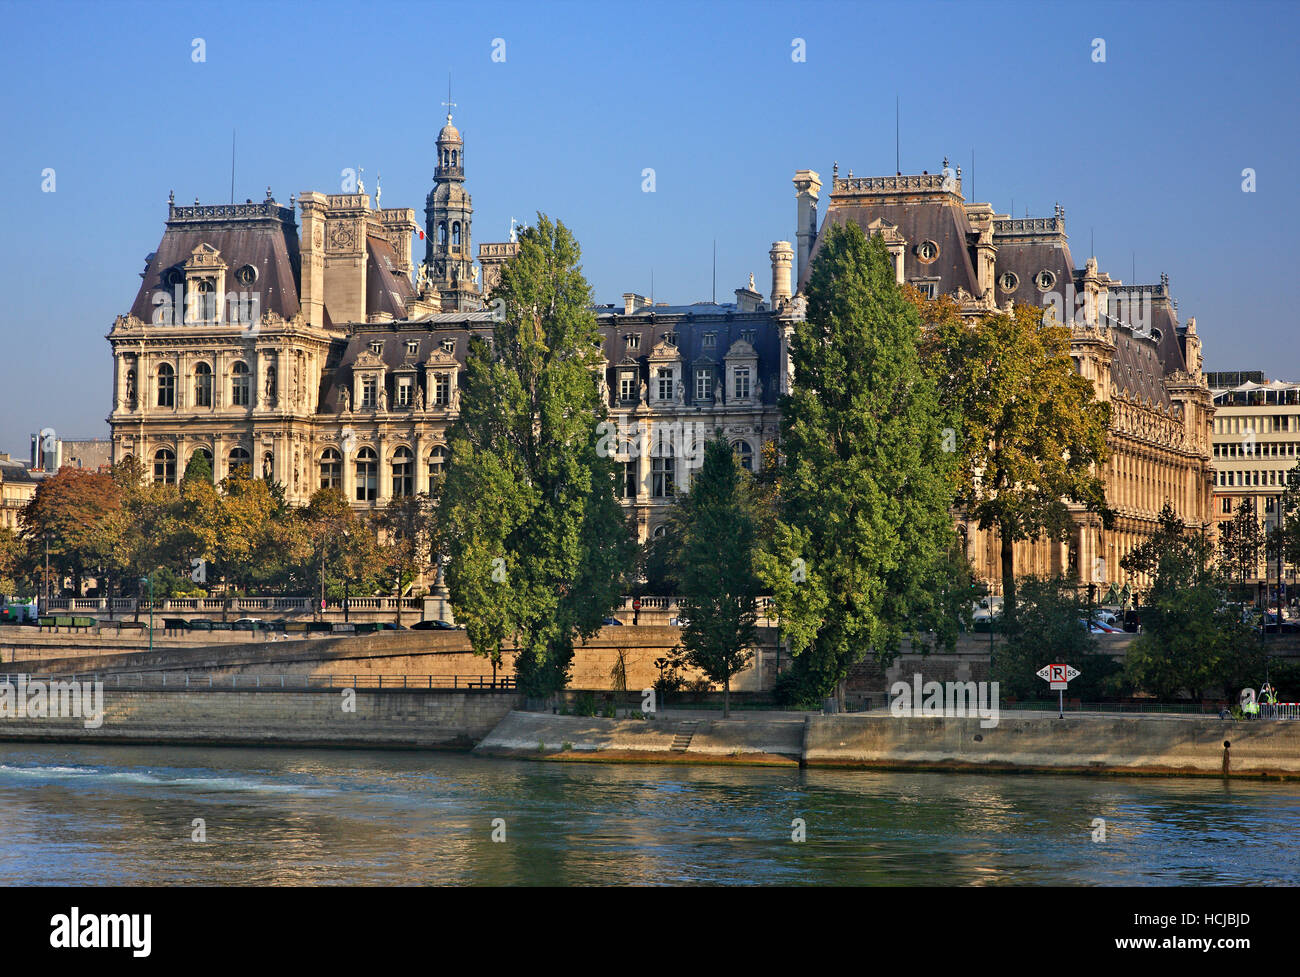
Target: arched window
367,472
166,386
403,472
455,236
628,475
239,392
744,455
203,385
662,474
164,465
437,462
455,158
442,233
660,532
239,458
268,466
331,469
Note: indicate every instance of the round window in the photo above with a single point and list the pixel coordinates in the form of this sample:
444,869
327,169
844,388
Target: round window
1009,282
246,275
1044,280
927,251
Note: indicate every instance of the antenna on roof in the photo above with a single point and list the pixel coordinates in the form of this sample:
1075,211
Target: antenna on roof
972,174
1134,279
449,103
232,166
715,271
898,166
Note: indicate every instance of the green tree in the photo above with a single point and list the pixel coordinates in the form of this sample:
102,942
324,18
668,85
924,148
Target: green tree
715,529
539,548
409,530
1241,542
1029,434
11,555
1050,626
1192,638
74,509
860,551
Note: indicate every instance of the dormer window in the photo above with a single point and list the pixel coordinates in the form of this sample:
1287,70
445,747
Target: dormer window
441,389
927,251
627,385
740,381
670,338
449,346
710,340
1044,280
664,382
1008,281
405,392
246,276
377,347
703,383
368,392
747,335
412,347
633,340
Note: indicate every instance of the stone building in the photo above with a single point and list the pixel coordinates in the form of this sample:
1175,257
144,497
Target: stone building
1126,338
301,343
17,488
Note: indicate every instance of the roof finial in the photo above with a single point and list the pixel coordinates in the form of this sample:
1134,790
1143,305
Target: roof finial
945,161
361,185
269,195
449,103
514,233
835,169
171,196
379,191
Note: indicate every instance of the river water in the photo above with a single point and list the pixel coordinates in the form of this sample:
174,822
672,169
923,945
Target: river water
83,815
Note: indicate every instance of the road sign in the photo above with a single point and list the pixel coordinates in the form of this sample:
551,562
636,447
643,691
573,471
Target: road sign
1058,676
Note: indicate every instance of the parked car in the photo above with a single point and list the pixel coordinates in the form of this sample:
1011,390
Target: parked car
248,624
679,622
222,626
436,624
176,624
1101,627
613,622
199,624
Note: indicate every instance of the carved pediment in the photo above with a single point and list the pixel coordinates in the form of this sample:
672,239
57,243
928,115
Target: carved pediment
664,350
440,358
204,258
741,350
366,360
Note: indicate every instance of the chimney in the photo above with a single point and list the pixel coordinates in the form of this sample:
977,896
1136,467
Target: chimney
807,183
782,255
632,302
311,250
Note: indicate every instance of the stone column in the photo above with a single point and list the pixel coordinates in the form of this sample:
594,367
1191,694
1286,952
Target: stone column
349,465
385,488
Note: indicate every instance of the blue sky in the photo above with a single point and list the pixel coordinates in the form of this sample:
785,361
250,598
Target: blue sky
1145,151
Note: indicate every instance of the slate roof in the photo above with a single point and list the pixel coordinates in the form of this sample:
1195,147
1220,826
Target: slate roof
263,235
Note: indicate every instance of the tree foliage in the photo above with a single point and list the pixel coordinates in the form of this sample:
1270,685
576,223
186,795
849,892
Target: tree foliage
538,545
715,532
860,553
1030,436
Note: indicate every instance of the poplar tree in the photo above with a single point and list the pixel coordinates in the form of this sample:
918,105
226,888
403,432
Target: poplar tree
863,550
714,532
538,544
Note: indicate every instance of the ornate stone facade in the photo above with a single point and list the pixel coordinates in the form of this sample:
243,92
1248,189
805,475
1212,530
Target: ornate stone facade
1126,338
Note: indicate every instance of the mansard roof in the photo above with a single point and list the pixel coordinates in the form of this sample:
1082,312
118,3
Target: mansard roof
263,235
692,324
920,209
1026,248
387,289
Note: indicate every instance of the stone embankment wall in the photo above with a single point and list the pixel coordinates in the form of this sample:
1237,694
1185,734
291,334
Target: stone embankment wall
1077,744
438,653
382,719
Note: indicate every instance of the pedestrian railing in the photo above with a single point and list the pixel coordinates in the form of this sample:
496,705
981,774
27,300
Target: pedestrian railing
200,682
1279,710
208,604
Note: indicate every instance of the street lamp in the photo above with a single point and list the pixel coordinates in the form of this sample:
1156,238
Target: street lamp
149,580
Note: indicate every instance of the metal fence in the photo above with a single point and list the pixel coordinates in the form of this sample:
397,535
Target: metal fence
202,682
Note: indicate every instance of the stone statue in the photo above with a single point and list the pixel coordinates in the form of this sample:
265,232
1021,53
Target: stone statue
644,394
680,391
297,473
758,389
751,281
345,400
474,275
383,398
419,397
717,391
130,387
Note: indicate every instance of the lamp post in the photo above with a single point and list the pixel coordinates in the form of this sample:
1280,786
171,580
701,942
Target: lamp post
149,580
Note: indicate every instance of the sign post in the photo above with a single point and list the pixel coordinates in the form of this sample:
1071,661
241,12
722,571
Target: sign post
1058,678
